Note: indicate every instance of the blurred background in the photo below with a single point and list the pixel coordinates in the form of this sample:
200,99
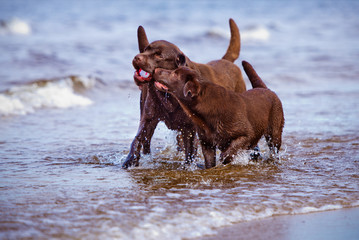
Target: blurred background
55,38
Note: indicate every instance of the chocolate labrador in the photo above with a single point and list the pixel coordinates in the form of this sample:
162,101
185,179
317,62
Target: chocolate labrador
156,106
225,119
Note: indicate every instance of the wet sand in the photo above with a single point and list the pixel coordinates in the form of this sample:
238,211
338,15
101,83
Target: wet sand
337,224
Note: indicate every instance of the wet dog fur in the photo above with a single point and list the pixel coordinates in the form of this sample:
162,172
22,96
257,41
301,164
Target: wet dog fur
223,118
156,106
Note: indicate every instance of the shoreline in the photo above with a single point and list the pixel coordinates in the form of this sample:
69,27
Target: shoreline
334,224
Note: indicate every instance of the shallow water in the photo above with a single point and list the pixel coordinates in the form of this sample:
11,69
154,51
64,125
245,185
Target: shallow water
63,139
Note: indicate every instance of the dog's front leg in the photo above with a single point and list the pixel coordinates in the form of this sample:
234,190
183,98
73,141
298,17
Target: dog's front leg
189,134
241,142
143,138
209,153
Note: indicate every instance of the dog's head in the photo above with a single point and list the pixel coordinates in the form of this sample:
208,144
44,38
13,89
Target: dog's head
158,54
182,82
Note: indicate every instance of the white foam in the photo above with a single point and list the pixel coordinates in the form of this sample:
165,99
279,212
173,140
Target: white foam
25,99
317,209
253,33
192,223
15,26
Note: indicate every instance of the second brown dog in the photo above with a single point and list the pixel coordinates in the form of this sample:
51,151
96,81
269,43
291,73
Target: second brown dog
225,119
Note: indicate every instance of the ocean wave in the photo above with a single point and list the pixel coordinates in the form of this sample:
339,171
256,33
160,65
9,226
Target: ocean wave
15,26
255,33
57,93
252,33
198,222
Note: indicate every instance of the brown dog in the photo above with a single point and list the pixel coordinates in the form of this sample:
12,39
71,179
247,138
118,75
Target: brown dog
158,106
226,119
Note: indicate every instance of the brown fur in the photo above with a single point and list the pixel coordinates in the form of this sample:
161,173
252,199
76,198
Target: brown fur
158,106
225,119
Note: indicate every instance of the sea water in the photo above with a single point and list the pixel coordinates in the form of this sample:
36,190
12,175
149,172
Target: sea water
69,109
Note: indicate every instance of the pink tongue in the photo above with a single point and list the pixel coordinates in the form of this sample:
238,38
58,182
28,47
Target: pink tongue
161,86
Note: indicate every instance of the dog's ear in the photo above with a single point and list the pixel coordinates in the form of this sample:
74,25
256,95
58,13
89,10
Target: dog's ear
142,39
190,89
180,60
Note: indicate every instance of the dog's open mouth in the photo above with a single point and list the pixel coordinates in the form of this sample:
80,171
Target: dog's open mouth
142,75
161,86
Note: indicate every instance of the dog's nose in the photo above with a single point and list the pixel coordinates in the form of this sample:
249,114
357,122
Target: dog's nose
138,58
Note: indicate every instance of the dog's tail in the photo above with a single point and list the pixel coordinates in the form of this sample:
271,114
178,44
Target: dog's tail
255,80
234,44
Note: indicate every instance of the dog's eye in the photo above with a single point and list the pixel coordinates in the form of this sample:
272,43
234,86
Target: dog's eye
158,55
